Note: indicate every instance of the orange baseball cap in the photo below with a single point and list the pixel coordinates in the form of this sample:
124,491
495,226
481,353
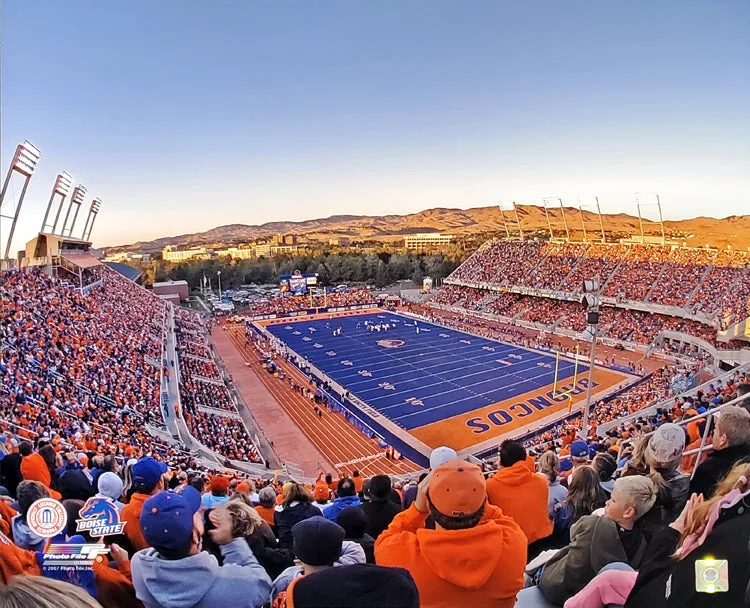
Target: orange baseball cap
321,492
457,488
243,486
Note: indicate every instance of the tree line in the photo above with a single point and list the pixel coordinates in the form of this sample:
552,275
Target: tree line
378,269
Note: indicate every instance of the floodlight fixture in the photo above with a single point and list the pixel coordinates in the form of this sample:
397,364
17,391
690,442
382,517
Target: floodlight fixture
591,285
63,183
78,194
26,158
25,161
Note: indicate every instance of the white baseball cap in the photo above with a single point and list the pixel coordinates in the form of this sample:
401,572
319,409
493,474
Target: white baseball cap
442,455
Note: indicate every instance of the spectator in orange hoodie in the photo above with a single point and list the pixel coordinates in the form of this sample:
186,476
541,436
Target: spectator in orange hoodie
34,468
475,556
146,474
520,493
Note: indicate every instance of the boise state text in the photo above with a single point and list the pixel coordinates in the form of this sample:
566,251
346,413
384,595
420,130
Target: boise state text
100,517
482,424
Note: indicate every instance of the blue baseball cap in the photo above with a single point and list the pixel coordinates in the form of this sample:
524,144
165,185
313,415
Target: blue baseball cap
167,518
579,449
147,472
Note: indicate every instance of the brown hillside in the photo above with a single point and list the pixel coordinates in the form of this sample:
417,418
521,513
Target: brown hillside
731,231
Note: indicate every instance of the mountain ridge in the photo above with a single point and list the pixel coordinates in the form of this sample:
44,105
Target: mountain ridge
718,232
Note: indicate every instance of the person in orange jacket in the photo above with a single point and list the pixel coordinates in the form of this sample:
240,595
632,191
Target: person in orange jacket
520,493
34,468
475,556
146,475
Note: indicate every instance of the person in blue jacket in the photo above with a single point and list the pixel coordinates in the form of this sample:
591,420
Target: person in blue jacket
346,494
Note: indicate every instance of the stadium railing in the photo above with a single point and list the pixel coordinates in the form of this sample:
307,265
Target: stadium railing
668,403
710,417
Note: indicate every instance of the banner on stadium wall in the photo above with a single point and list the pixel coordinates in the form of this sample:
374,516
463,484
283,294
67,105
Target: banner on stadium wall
426,284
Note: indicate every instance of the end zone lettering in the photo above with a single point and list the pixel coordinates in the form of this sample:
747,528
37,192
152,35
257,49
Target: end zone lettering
521,409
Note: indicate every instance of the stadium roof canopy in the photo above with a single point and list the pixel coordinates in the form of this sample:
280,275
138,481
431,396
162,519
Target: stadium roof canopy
127,271
82,260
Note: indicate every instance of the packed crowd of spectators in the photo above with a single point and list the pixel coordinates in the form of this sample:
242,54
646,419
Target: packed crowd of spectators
225,435
287,303
190,367
76,368
557,260
83,371
499,261
617,323
616,519
702,281
723,293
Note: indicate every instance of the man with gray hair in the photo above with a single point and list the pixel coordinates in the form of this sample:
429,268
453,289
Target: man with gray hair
731,444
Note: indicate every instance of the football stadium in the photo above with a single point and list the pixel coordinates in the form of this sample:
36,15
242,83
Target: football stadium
531,417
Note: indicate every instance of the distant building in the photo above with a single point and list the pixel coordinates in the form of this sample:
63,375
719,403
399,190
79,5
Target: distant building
263,250
170,290
427,240
339,241
127,256
283,249
237,253
170,254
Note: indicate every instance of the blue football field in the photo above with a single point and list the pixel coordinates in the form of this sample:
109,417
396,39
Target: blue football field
417,373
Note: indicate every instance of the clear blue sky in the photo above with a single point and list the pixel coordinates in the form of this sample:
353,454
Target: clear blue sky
183,115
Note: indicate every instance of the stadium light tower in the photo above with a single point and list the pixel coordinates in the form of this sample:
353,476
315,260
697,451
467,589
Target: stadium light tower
63,183
546,214
518,221
75,217
218,274
639,204
505,225
598,213
590,301
25,161
79,192
96,205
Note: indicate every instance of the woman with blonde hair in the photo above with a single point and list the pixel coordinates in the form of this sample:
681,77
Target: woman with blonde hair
549,467
259,536
700,559
636,464
296,505
40,592
596,542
